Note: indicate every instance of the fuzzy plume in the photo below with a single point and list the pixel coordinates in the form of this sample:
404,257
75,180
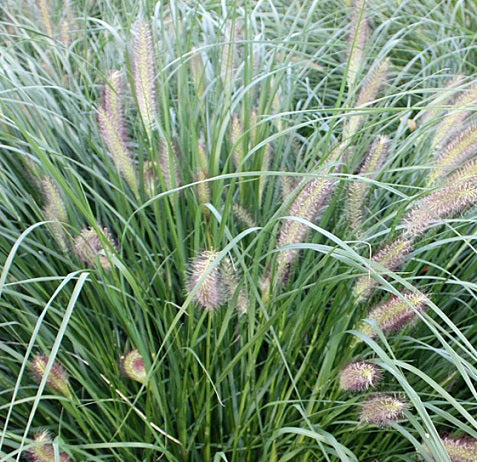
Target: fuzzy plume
236,134
366,96
168,160
90,249
54,210
243,215
229,53
442,203
455,117
382,409
461,449
357,41
358,190
231,284
43,451
394,314
197,71
360,376
460,148
57,378
309,204
67,23
133,366
113,130
45,13
390,257
143,73
210,293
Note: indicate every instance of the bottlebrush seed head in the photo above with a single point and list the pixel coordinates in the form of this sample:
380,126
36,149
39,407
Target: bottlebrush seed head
394,314
43,450
209,294
88,247
359,376
441,203
461,449
54,210
382,409
57,378
357,42
132,365
390,257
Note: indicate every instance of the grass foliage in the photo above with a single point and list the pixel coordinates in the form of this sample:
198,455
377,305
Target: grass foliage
217,185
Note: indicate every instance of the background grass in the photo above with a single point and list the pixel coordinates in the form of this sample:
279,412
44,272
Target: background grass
264,385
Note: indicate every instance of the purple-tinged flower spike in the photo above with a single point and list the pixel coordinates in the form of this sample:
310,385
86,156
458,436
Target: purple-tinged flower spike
54,210
455,117
442,203
57,378
390,257
168,160
360,376
459,149
383,408
374,81
468,172
133,366
358,190
309,204
357,41
90,249
43,451
209,292
394,314
461,449
143,74
242,214
113,131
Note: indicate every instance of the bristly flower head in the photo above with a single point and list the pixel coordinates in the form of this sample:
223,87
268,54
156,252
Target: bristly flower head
132,365
442,203
357,40
143,73
209,292
359,376
54,210
88,247
57,378
382,409
43,450
461,449
390,257
394,314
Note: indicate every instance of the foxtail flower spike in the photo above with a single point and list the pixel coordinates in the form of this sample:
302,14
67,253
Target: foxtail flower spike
394,314
209,293
43,451
309,204
442,203
113,130
57,378
45,13
461,449
358,190
133,366
390,257
360,376
357,41
383,408
143,74
231,284
89,248
459,149
54,210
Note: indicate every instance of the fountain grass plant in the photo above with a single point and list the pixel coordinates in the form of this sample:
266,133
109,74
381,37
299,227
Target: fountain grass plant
220,223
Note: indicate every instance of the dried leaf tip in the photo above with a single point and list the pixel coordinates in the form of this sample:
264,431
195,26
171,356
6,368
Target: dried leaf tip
42,450
208,288
143,73
383,408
